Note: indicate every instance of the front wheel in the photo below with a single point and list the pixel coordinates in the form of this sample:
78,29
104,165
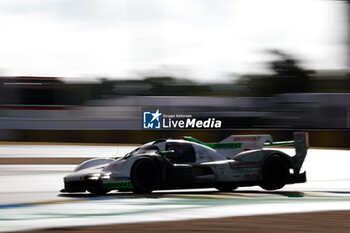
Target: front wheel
145,175
275,172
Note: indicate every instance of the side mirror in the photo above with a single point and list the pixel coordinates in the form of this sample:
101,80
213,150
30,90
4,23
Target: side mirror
168,153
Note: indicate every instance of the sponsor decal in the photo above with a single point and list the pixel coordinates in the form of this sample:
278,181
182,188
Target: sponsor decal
122,179
119,185
158,120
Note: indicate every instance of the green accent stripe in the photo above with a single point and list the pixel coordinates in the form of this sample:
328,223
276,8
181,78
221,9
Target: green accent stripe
119,185
191,139
224,145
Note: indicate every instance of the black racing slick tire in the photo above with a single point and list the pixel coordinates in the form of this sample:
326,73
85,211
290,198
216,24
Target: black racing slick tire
275,172
145,175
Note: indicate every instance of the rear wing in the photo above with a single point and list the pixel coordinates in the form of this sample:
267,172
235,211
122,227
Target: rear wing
235,144
301,143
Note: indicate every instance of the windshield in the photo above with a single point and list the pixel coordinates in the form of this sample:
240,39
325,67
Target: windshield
131,153
142,149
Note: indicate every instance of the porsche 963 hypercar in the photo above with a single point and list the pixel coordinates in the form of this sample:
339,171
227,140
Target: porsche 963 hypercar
238,160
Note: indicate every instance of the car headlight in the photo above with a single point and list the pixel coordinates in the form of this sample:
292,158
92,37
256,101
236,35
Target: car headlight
94,176
97,176
106,176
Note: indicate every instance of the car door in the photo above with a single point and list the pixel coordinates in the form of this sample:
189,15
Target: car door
181,171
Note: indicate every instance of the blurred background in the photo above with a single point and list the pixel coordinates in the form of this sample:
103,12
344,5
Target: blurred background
84,70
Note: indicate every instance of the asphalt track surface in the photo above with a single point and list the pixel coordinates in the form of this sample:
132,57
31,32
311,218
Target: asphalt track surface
30,198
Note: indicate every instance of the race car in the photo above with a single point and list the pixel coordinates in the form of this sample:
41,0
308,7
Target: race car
179,163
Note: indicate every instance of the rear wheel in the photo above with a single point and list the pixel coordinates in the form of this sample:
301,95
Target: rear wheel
275,172
145,175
